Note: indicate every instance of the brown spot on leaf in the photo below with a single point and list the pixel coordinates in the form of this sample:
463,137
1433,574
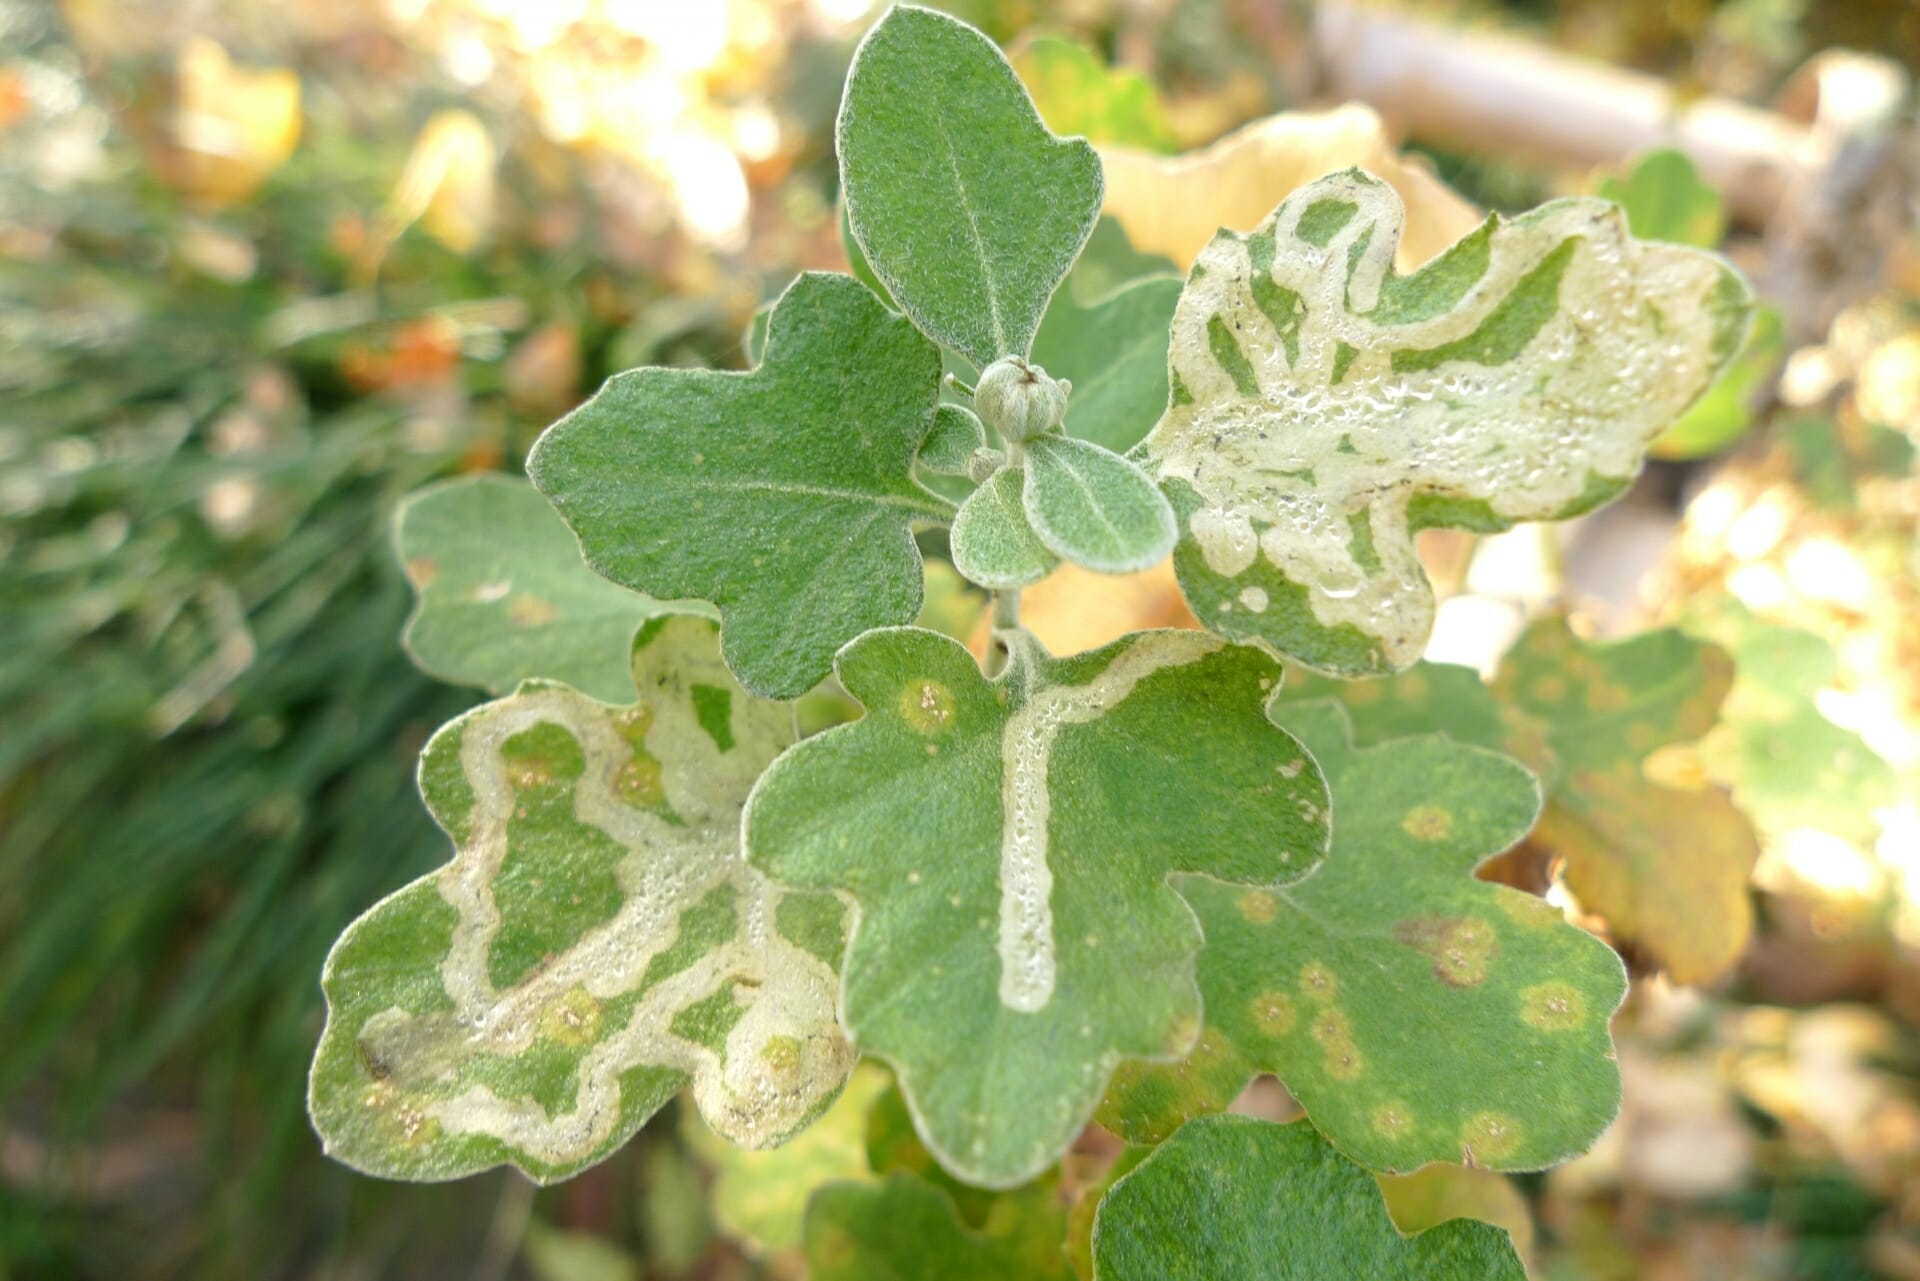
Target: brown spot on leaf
1427,823
421,571
1259,906
1489,1136
1273,1013
1460,946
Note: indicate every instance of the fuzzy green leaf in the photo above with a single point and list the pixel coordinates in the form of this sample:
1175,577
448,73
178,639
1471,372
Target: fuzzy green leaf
1114,351
1325,409
906,1227
1418,1014
1230,1198
1095,508
969,210
1666,867
1427,698
1007,845
1665,198
597,943
993,545
503,596
956,436
785,495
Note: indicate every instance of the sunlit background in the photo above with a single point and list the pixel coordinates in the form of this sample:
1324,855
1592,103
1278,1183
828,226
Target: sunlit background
265,267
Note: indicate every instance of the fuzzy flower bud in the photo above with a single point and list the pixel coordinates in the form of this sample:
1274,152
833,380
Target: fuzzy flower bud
1018,400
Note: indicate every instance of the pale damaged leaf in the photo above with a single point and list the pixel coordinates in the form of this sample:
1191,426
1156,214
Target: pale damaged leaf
1325,409
1666,866
1417,1014
502,595
1231,1198
784,495
968,209
1007,846
597,943
993,544
1093,507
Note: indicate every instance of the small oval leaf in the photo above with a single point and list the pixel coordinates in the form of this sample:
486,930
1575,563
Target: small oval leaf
992,543
1095,508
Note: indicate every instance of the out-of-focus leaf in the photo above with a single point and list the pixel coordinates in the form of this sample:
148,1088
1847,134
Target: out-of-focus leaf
1230,1198
503,596
448,183
1077,93
1417,1014
1667,868
1665,198
554,1255
1114,351
760,1198
1439,1193
233,126
1725,412
905,1227
1239,179
1789,766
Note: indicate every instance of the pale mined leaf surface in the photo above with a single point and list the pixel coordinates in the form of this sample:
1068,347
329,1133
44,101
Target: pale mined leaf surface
597,943
1230,1198
1416,1013
904,1227
785,496
992,542
1667,868
1077,93
1325,409
1245,174
968,209
1789,766
1665,198
759,1199
1007,845
502,595
1114,351
1093,507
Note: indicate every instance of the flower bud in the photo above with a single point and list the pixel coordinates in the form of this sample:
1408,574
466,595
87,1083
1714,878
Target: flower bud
1018,400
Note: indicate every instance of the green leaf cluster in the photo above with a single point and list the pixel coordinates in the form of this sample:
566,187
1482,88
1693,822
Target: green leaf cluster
1121,883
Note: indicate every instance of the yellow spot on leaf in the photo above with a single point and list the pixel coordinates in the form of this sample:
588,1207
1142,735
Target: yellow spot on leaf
927,706
1318,982
638,781
574,1019
422,570
1427,823
1273,1013
1461,946
1553,1006
530,611
1392,1120
1489,1136
781,1056
1182,1034
1333,1032
1259,906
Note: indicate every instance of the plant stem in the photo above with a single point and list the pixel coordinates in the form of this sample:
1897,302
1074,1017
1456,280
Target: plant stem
1006,617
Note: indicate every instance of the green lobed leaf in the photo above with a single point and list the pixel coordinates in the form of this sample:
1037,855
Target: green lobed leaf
597,943
502,595
956,436
1007,846
906,1227
968,209
785,496
1077,93
1665,198
1114,351
1667,868
1417,1014
1427,698
1325,409
1231,1198
992,542
1093,507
